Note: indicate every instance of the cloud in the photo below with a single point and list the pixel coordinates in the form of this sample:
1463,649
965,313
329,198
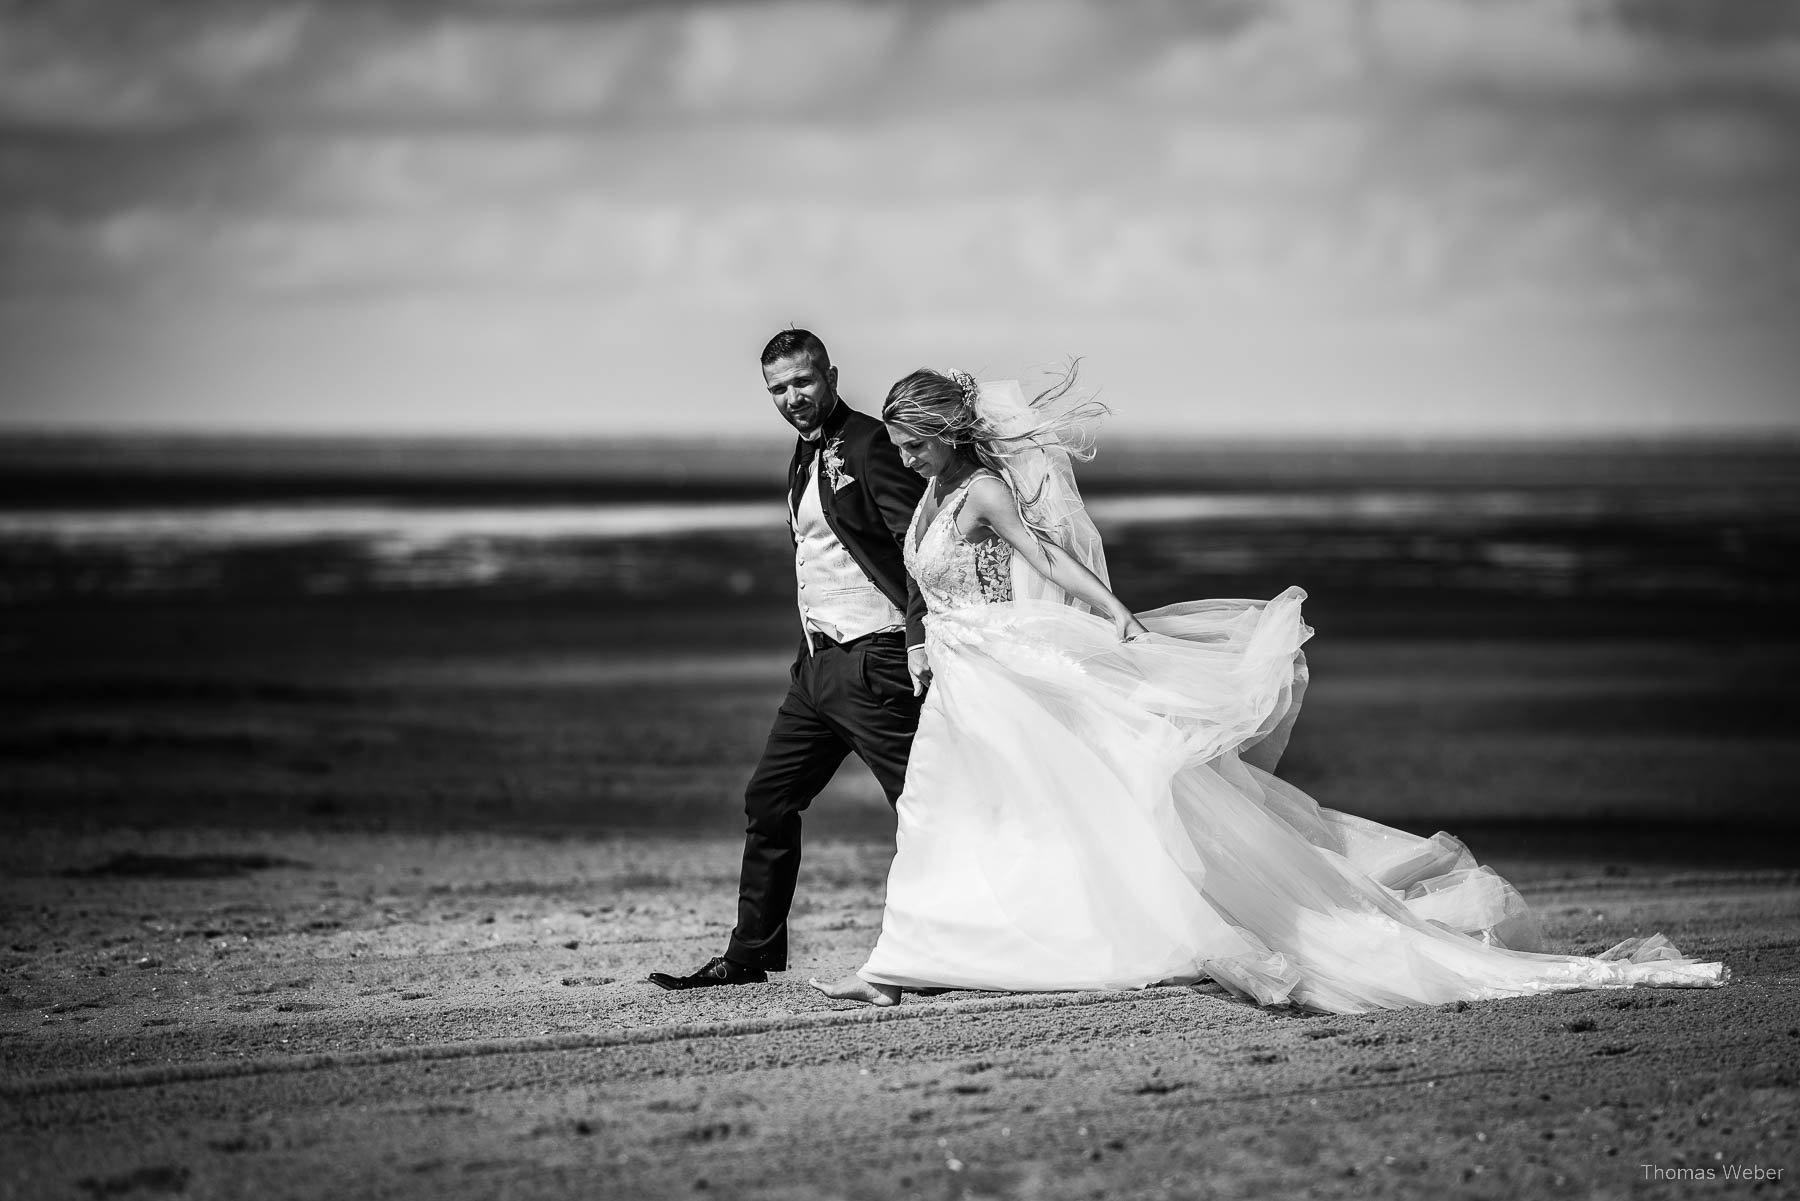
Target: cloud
1316,149
459,66
84,65
1714,146
996,166
87,63
784,57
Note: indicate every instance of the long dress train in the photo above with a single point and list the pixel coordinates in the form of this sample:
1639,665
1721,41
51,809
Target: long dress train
1084,813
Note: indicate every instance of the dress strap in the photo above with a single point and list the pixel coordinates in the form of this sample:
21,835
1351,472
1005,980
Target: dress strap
962,500
968,484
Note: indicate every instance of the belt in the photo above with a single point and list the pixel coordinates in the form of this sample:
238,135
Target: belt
823,641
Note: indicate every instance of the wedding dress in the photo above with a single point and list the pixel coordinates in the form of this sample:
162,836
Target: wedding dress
1085,813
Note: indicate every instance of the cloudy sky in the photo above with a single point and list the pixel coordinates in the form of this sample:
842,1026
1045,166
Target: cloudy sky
1283,217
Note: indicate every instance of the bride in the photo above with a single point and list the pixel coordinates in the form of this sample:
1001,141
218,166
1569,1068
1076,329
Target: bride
1089,802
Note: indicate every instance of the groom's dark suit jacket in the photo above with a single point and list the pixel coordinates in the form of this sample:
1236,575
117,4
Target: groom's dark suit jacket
869,513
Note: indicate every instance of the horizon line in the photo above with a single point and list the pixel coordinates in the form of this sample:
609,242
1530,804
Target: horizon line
1750,437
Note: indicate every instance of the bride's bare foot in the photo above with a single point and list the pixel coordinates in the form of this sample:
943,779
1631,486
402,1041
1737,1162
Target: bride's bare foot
854,988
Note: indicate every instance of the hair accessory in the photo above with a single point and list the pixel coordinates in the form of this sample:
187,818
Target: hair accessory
970,389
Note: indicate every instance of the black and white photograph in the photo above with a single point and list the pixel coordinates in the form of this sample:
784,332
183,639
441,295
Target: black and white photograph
855,599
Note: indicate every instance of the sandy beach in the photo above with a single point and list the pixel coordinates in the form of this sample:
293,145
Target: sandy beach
462,1015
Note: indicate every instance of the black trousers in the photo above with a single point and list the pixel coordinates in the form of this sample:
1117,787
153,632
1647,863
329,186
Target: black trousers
856,697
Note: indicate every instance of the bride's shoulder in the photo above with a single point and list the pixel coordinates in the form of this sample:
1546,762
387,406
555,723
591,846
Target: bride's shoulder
987,490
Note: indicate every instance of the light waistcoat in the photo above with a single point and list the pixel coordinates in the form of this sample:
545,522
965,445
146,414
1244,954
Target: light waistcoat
836,598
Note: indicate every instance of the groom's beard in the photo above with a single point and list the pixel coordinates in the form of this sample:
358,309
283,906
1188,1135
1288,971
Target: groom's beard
813,432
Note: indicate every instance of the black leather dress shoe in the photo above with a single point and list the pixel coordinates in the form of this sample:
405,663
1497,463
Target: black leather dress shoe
718,970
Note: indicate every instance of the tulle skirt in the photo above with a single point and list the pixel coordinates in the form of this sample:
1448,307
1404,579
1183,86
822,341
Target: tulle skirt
1082,813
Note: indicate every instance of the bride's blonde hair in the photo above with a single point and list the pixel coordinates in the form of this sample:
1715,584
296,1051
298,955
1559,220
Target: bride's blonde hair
942,405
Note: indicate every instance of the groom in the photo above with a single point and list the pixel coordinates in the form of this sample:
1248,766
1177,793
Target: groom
859,674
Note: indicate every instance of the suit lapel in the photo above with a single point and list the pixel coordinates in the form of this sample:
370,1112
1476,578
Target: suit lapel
834,431
813,451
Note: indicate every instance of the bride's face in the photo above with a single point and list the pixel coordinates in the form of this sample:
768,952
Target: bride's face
930,457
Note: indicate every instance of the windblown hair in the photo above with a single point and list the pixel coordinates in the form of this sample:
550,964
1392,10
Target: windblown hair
791,342
933,404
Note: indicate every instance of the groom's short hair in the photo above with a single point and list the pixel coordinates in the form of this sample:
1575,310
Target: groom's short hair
791,342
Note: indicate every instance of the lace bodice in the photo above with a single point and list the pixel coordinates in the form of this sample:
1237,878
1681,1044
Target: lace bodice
951,571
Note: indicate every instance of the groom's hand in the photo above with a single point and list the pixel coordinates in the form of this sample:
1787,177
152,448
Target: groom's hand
920,669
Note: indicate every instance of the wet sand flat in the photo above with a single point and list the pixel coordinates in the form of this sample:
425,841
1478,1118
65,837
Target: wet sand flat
559,714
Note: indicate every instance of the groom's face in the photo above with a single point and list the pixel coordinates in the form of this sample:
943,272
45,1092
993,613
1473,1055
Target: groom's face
804,391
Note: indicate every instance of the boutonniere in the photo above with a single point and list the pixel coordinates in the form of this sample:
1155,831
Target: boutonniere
834,466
